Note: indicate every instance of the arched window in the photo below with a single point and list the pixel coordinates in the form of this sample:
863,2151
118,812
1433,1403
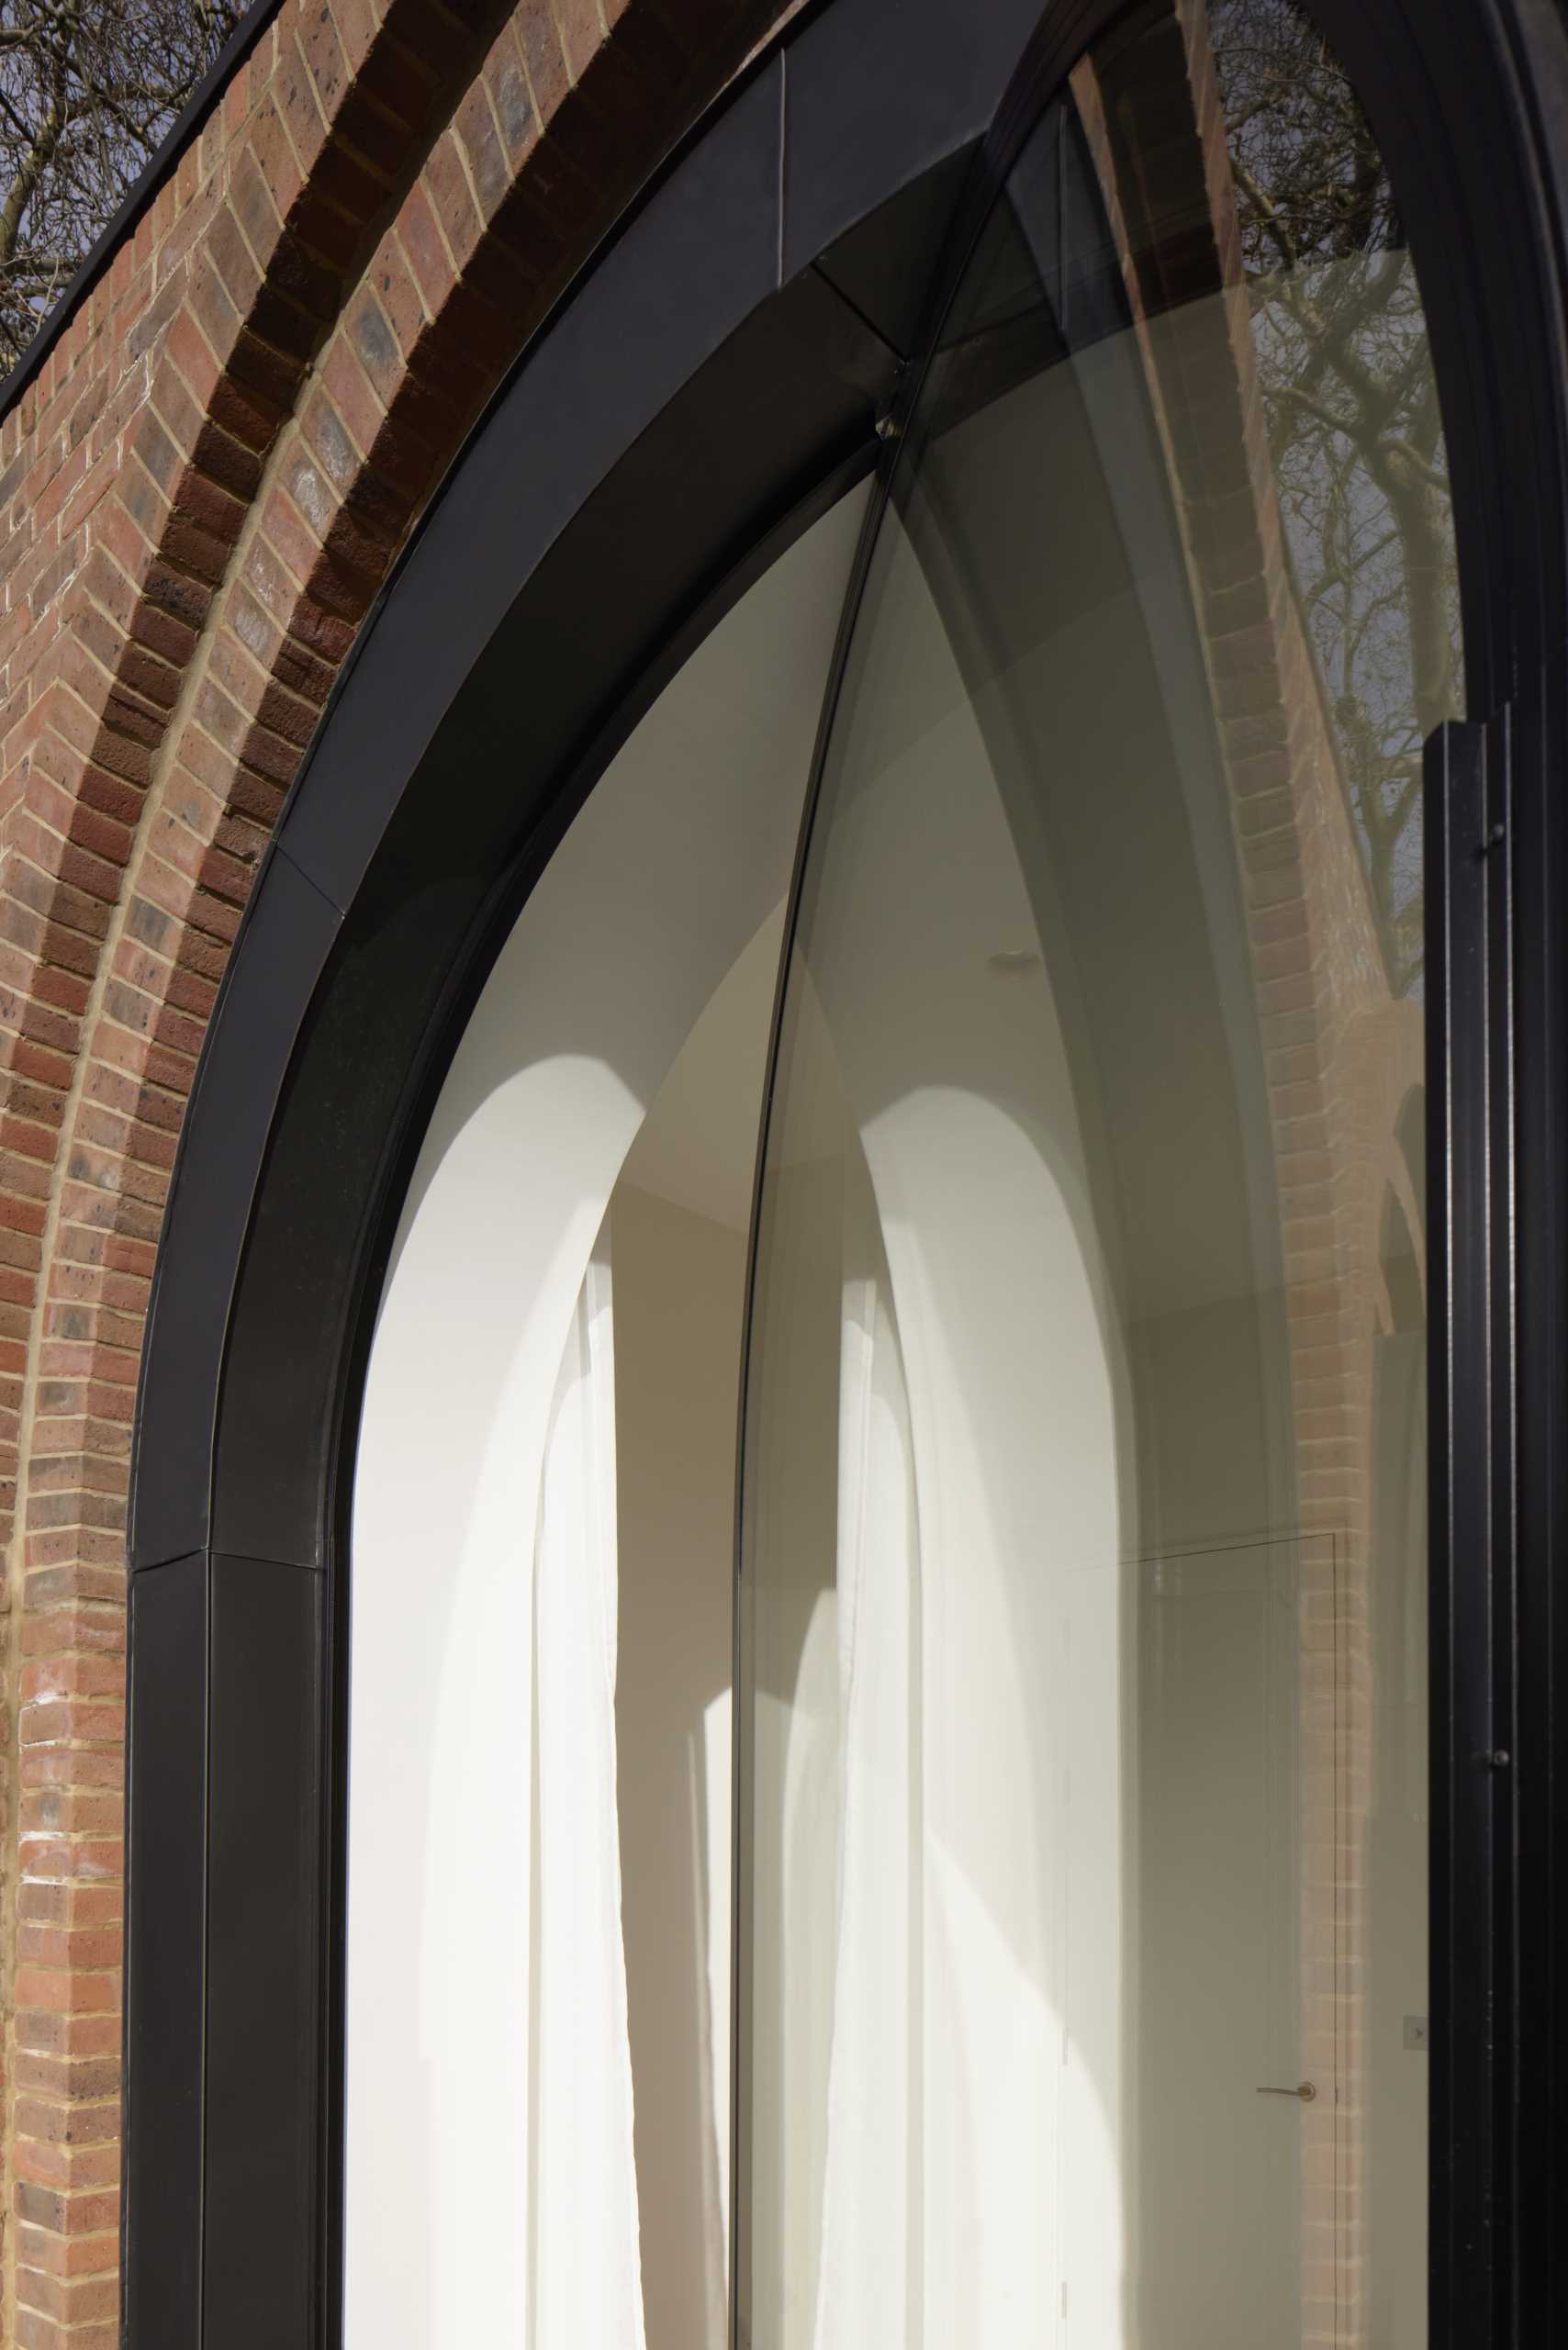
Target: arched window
910,915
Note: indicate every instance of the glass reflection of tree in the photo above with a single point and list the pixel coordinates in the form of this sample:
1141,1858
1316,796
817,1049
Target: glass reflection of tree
1355,433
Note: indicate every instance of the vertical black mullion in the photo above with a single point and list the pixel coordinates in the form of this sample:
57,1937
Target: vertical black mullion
1501,1779
740,1788
259,2220
1540,889
1458,854
166,1954
332,1954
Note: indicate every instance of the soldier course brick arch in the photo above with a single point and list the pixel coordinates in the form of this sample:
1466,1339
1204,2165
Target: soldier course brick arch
203,486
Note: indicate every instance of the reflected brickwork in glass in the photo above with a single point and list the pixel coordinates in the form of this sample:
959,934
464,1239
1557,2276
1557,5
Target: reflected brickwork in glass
1083,1826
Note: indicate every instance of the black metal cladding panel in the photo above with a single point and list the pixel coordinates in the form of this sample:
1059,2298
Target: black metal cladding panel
794,388
1539,747
299,1281
884,264
264,1932
165,1954
285,939
699,258
774,408
855,129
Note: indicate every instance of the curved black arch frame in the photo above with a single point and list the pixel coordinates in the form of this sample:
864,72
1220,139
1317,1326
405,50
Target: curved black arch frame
718,377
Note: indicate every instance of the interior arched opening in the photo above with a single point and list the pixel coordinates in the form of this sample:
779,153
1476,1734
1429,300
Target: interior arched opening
561,1325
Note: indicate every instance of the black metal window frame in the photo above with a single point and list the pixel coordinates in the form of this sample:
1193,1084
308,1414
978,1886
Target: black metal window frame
715,380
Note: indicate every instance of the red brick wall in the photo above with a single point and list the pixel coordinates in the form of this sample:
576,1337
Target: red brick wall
199,494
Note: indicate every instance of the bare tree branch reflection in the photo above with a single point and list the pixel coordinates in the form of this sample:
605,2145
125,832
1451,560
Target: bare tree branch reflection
1355,433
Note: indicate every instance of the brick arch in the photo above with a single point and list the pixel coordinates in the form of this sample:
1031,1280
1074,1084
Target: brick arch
212,476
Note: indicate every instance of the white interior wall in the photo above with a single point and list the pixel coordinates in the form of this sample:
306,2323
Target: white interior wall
958,1077
679,1219
680,1288
676,862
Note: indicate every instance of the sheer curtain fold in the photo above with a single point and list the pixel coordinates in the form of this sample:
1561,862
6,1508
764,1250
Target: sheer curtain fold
869,2284
584,2264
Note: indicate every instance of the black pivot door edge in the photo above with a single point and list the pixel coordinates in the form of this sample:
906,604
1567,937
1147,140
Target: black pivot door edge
1471,1400
741,340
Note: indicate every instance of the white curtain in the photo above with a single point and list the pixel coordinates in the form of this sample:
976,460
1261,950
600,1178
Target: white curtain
585,2290
970,2179
869,2285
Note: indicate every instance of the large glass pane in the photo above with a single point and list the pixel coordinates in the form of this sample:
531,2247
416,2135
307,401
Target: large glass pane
537,2086
1082,1976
